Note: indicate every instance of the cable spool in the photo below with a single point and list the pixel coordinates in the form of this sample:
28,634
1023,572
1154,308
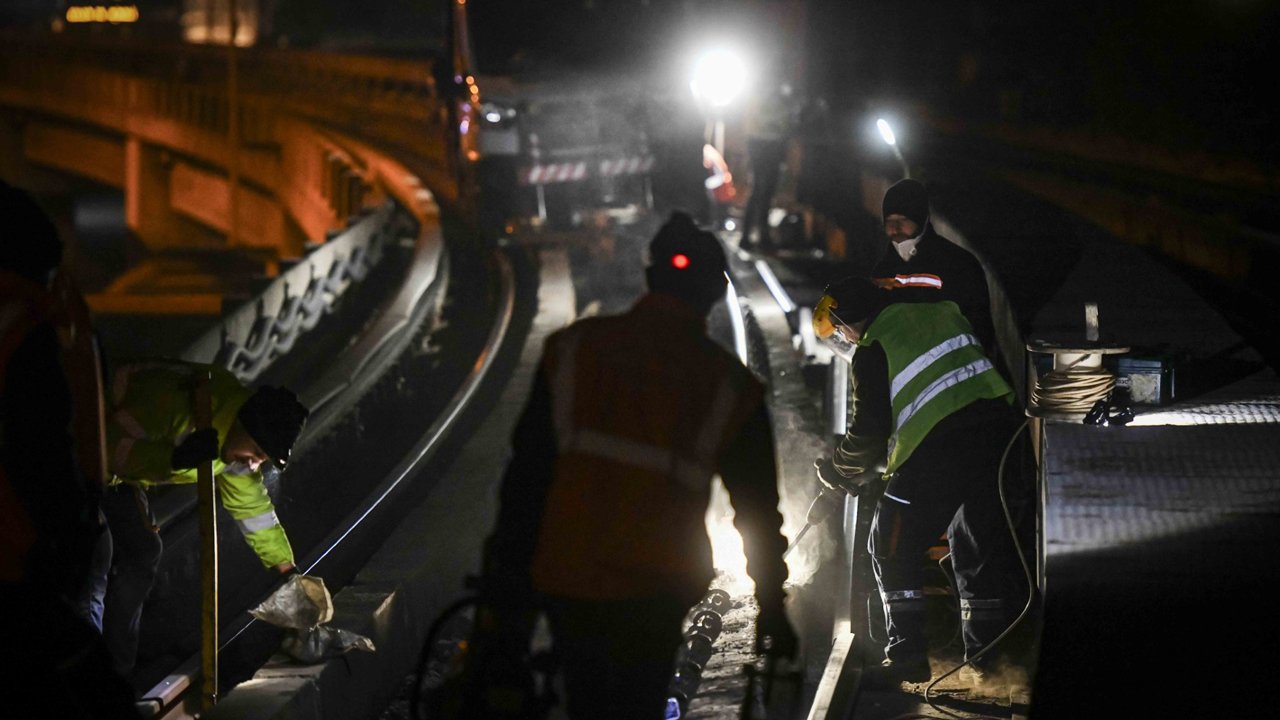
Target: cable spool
1077,379
1075,383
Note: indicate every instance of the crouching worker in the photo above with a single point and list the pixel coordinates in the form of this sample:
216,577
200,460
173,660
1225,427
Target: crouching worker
602,507
932,416
152,440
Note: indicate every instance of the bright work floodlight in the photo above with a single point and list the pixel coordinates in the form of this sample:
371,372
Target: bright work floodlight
719,77
886,132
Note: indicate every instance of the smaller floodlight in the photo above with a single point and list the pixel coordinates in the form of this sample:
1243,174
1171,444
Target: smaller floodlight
719,76
886,132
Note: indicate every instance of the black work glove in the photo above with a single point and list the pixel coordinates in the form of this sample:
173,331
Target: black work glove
831,478
774,635
200,446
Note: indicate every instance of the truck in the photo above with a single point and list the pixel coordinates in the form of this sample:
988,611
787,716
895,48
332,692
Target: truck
568,109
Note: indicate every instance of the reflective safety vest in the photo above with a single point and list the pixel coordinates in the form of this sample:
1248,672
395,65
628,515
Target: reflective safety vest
82,363
936,367
644,405
23,306
152,413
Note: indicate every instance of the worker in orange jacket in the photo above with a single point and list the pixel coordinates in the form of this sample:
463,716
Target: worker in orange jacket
49,520
603,504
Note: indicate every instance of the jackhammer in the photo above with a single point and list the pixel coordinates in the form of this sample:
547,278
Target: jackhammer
700,637
834,490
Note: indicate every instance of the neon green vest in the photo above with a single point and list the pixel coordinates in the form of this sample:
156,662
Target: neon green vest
936,367
151,413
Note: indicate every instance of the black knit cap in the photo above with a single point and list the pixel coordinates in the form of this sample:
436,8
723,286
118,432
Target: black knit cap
680,237
907,198
857,298
273,417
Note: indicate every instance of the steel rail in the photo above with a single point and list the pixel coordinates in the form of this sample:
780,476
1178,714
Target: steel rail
172,697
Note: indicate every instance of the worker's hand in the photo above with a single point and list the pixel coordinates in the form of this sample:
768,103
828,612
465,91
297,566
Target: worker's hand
774,635
200,446
833,480
286,568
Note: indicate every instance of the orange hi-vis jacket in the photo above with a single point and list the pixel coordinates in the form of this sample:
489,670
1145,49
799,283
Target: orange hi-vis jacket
644,405
61,508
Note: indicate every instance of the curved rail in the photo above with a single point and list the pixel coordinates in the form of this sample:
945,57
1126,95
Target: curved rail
175,696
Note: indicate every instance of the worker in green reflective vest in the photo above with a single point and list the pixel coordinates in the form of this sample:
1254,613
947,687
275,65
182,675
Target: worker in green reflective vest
152,441
931,416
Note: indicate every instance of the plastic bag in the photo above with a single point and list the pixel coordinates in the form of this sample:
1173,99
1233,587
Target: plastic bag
302,603
320,643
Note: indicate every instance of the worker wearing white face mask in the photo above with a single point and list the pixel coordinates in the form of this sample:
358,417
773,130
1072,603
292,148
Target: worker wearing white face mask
152,440
919,259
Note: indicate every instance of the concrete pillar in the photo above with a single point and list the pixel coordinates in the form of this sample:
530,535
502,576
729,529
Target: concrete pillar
147,208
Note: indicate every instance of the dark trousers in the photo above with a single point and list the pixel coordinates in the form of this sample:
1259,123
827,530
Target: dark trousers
89,604
949,485
122,585
766,166
617,657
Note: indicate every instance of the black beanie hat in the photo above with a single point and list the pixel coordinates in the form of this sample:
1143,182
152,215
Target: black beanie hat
909,199
680,236
273,417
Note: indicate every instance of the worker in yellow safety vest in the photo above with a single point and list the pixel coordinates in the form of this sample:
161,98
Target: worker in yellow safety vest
930,416
152,440
602,509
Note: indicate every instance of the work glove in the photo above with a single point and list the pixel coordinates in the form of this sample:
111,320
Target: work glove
774,635
200,446
832,479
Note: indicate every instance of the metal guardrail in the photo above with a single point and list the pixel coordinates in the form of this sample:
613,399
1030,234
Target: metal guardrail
249,339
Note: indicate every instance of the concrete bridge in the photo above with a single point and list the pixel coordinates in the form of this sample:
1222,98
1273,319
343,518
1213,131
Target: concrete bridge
210,160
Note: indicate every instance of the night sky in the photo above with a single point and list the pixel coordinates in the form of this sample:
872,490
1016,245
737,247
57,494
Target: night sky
1180,73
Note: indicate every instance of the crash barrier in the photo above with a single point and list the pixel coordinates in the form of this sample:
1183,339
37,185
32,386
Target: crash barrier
260,331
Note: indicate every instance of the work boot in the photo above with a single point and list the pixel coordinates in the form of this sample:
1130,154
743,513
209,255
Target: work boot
890,674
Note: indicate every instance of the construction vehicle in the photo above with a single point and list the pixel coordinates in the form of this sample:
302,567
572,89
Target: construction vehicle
567,109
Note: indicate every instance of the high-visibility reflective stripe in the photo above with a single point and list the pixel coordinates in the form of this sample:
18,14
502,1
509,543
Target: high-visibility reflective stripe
120,455
626,451
917,280
901,595
693,473
897,499
951,379
256,523
981,608
129,424
562,387
917,366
